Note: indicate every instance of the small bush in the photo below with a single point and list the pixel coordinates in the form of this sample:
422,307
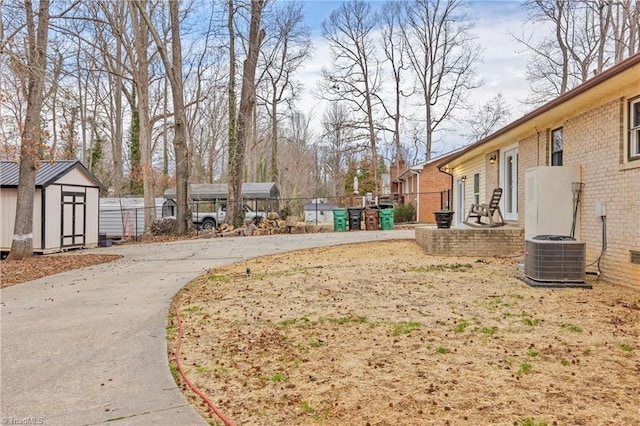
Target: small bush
404,213
285,211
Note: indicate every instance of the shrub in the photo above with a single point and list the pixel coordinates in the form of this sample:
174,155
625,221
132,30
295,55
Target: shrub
404,213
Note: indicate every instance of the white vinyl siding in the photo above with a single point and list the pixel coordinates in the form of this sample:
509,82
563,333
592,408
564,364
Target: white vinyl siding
469,169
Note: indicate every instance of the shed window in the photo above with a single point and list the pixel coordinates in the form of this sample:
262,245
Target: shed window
634,129
556,147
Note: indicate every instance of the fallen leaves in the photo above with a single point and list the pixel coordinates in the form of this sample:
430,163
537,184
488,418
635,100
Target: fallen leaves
19,271
382,333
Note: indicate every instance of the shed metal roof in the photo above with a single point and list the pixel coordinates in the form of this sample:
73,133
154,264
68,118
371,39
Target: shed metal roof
219,191
47,173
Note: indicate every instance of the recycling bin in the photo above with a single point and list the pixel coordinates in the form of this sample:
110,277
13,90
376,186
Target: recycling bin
339,220
386,219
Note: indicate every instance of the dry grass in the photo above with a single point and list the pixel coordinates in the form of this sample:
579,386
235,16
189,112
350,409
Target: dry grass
383,334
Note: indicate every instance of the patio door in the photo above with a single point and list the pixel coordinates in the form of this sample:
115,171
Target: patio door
509,183
460,207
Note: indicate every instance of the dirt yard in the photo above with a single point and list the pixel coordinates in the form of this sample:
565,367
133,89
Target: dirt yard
383,334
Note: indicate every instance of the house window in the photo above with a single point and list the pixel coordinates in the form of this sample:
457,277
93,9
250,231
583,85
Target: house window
556,147
634,129
476,188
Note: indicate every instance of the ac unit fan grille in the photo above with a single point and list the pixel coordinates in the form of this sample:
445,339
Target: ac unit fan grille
555,261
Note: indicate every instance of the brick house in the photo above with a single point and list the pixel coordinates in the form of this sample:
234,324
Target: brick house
593,129
424,186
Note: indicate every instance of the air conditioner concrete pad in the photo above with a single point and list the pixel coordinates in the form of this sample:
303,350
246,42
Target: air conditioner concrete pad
553,284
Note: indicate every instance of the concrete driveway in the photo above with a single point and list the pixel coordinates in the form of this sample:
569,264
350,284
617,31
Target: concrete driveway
89,347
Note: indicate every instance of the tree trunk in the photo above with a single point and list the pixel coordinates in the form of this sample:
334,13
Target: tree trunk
233,136
141,78
274,134
180,124
429,135
116,142
37,39
564,76
247,104
372,136
173,71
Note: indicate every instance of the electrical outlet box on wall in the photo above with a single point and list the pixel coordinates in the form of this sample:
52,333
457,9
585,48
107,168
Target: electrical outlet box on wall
601,209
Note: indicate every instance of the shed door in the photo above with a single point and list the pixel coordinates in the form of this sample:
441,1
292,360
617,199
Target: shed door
74,208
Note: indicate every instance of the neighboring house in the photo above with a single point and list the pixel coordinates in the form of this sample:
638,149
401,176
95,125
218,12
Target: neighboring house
65,210
594,129
319,212
424,186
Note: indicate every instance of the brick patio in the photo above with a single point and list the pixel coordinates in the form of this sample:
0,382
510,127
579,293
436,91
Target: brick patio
467,241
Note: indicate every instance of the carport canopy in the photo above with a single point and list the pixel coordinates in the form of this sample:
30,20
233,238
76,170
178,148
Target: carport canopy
219,191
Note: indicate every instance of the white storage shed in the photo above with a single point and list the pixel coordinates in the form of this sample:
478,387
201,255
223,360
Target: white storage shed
319,212
66,203
123,218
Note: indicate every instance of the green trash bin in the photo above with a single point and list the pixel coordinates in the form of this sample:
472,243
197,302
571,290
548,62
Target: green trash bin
340,220
386,219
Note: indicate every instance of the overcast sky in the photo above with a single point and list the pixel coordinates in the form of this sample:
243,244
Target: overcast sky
503,69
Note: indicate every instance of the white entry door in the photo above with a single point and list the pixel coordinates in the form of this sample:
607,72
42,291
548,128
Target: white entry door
460,208
509,173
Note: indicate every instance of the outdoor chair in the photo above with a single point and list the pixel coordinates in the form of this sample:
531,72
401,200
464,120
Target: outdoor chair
479,211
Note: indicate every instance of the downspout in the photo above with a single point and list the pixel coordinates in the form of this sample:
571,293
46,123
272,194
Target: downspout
414,173
451,192
43,222
538,147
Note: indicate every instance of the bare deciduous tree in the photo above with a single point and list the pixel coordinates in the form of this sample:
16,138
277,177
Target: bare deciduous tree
355,75
487,118
235,212
297,158
108,34
392,19
35,64
586,37
233,167
442,54
139,62
283,52
339,140
173,69
625,27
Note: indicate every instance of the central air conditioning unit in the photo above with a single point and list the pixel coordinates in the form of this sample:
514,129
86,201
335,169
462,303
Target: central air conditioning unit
554,258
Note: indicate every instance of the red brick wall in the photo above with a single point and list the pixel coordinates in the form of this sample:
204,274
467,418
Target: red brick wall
432,183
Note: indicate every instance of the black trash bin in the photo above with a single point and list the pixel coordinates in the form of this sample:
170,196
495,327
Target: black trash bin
355,218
